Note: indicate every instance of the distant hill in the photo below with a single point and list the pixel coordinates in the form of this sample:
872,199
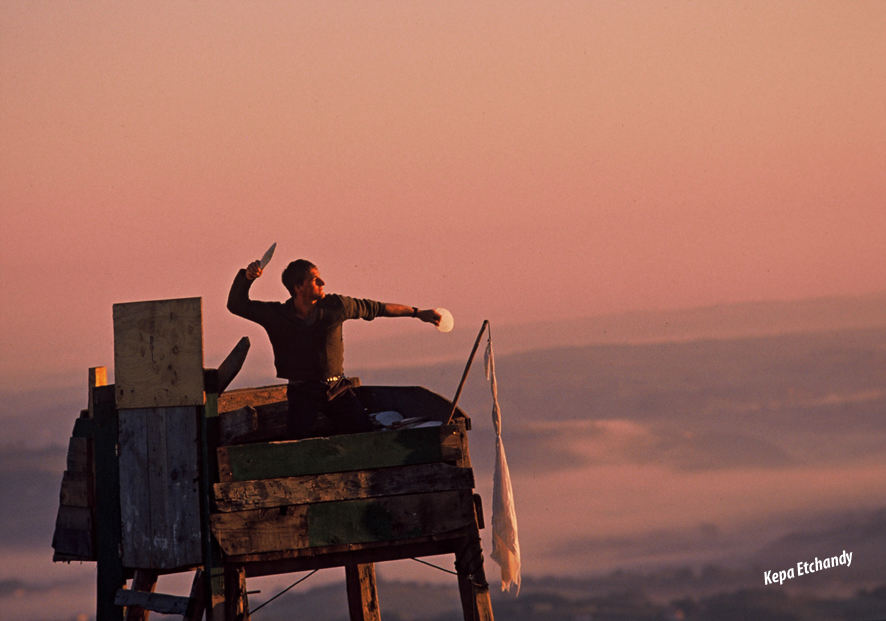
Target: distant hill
727,321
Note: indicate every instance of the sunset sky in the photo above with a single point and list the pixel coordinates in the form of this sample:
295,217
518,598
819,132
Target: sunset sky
511,160
508,160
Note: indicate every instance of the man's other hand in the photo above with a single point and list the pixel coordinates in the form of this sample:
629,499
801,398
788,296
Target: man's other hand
253,270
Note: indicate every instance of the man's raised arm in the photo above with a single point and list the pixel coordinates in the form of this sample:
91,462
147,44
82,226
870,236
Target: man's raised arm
238,297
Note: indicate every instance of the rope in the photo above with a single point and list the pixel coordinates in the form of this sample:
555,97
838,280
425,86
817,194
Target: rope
448,571
297,582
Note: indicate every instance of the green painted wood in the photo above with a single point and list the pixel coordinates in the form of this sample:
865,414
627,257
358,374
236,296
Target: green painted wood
360,451
387,519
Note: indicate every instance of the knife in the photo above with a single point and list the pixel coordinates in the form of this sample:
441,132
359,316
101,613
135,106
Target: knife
266,257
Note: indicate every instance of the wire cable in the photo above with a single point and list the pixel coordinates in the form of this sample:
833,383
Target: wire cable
296,583
448,571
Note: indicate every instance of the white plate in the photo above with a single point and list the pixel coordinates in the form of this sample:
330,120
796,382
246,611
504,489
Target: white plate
446,320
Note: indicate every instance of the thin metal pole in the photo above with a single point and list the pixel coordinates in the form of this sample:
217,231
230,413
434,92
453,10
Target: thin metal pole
464,375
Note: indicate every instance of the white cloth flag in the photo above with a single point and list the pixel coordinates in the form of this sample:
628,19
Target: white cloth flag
505,542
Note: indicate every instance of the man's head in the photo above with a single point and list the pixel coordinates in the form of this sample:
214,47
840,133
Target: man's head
302,276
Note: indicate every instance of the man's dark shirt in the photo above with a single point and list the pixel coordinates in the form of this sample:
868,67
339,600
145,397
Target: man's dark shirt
304,349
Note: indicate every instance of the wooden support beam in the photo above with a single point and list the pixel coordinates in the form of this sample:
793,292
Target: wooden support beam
236,602
197,603
144,583
362,592
98,376
156,602
472,585
110,576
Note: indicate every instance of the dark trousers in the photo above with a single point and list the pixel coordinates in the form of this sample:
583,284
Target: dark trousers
319,409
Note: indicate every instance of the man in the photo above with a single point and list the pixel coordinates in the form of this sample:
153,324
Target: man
306,336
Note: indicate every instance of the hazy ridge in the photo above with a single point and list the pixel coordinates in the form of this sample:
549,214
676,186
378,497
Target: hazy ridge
805,406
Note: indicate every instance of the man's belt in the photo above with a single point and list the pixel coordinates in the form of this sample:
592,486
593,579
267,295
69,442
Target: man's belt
327,381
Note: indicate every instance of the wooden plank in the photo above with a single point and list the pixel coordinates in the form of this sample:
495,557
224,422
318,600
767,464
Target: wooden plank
268,493
236,399
73,538
385,519
231,365
78,455
262,423
183,488
157,602
362,592
76,490
158,353
135,497
359,451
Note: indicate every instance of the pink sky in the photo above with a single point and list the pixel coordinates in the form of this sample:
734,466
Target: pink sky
512,160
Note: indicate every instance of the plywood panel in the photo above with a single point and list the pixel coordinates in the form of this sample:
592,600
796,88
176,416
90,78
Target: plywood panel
158,353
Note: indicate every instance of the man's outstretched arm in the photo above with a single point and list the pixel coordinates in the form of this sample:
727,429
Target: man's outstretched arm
428,315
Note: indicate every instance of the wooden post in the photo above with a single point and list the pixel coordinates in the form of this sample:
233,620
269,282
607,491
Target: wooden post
362,592
109,571
144,581
472,585
236,603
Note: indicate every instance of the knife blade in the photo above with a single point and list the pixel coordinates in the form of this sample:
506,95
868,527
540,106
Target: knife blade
266,257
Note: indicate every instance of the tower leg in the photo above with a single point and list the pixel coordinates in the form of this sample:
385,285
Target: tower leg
472,585
362,592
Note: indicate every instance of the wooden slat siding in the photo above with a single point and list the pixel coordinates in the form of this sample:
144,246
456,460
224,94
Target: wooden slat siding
78,455
387,519
75,491
72,539
156,602
183,488
159,474
158,353
236,399
359,451
268,493
135,493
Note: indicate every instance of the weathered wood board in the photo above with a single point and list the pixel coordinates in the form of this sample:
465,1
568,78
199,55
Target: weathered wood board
73,538
159,487
158,353
387,519
255,397
268,493
359,451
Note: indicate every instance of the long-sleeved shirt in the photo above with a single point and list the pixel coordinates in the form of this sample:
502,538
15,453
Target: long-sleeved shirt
309,348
